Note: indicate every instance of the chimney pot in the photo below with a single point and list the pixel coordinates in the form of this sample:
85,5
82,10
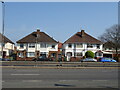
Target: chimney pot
38,30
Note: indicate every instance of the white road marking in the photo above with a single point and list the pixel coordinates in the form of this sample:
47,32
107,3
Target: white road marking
31,80
25,74
67,80
100,80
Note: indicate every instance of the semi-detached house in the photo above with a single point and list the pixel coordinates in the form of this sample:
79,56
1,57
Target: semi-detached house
7,46
81,42
36,44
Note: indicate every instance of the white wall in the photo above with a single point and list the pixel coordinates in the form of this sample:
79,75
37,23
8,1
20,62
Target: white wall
8,46
38,48
78,50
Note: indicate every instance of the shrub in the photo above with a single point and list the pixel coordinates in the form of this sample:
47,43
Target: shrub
116,58
89,54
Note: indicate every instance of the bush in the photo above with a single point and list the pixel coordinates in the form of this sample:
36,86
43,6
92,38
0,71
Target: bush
89,54
116,58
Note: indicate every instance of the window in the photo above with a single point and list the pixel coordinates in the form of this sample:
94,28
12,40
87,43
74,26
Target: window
69,45
79,45
110,48
20,55
43,54
43,45
53,46
89,45
53,54
98,54
31,45
79,54
21,45
30,54
98,46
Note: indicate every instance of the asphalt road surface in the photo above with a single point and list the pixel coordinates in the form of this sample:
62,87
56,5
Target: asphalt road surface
59,78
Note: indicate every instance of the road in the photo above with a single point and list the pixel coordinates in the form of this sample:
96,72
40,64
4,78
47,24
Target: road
59,78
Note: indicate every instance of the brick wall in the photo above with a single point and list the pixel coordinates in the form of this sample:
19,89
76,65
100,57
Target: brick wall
25,59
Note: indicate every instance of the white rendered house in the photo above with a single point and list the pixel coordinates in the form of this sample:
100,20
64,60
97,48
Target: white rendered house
6,45
36,44
80,43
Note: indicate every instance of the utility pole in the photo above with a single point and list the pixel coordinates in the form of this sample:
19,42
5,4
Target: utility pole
3,17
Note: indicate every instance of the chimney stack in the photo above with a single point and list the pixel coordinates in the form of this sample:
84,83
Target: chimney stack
82,33
38,30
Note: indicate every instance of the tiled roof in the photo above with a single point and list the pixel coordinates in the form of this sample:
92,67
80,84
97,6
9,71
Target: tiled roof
5,39
82,37
37,37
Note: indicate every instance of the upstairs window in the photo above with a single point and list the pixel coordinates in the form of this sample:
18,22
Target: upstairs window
31,45
43,45
98,46
89,45
21,45
69,45
53,46
79,45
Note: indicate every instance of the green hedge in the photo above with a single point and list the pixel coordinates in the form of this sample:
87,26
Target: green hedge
89,54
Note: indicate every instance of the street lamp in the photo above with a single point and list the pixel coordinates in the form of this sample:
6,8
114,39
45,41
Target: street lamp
3,16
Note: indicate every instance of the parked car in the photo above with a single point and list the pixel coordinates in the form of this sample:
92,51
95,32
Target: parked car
88,60
0,59
40,58
4,59
104,59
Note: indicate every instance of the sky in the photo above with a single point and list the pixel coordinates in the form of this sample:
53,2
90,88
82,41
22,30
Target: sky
60,20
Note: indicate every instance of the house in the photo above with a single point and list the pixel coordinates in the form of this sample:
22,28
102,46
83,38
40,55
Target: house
36,44
110,52
76,46
6,45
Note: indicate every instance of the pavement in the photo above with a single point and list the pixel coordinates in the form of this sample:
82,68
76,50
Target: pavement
58,64
59,78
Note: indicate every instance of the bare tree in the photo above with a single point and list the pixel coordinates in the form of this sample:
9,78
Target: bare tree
112,37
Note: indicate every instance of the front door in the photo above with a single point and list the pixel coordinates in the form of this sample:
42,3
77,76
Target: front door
69,54
4,54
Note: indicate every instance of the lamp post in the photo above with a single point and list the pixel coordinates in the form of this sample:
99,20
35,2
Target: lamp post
3,16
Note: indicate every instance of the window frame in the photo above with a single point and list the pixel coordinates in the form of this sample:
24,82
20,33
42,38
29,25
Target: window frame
79,45
53,46
21,45
31,45
98,46
77,54
89,45
30,54
69,45
43,45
